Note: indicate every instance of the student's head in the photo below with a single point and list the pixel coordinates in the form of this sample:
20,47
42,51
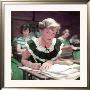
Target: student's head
25,30
49,28
66,33
75,36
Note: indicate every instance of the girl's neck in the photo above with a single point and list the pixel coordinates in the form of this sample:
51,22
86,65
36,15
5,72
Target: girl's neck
44,43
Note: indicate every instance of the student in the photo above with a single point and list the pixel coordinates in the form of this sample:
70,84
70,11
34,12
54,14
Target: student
76,43
46,49
16,73
74,40
18,46
26,36
64,38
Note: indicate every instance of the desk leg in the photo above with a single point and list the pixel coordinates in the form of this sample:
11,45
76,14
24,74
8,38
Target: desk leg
30,77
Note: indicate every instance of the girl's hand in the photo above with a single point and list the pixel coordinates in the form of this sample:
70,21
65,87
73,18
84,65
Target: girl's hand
36,66
45,66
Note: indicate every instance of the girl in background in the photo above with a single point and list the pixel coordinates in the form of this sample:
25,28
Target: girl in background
64,38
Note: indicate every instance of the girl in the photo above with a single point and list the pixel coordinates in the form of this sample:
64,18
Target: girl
46,49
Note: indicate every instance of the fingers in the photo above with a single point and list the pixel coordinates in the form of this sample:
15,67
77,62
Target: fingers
45,67
36,66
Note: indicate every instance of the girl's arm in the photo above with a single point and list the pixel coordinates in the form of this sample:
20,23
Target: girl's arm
63,61
24,60
19,50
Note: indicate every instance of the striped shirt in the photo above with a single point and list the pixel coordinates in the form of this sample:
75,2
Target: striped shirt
22,40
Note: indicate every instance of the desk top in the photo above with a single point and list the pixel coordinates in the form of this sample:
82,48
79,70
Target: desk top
51,76
38,75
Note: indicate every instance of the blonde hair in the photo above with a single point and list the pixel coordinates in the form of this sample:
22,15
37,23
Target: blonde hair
49,23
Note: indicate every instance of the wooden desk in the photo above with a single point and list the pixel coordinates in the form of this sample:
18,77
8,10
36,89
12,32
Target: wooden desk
74,61
36,74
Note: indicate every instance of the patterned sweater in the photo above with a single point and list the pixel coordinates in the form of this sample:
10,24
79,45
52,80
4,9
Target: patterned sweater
42,54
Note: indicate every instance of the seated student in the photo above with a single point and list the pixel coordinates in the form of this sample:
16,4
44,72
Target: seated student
19,42
16,73
46,49
75,40
64,38
76,43
26,36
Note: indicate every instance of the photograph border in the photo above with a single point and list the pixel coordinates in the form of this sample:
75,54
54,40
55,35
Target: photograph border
2,36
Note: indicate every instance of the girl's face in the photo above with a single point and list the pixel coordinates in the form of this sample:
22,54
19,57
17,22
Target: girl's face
66,34
48,34
25,32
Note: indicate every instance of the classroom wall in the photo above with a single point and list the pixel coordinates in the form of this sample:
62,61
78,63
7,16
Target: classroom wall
67,19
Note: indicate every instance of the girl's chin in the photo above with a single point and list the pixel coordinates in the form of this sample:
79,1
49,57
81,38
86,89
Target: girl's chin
48,41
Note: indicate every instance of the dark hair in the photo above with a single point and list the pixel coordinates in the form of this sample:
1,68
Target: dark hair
25,27
66,30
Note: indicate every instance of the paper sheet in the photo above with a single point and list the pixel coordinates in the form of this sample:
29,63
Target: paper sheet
56,68
61,72
25,68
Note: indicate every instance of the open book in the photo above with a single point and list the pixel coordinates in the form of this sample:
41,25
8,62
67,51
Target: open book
64,71
60,72
56,68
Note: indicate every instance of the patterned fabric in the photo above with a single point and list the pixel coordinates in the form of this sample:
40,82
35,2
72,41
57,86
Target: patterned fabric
64,41
42,54
22,40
